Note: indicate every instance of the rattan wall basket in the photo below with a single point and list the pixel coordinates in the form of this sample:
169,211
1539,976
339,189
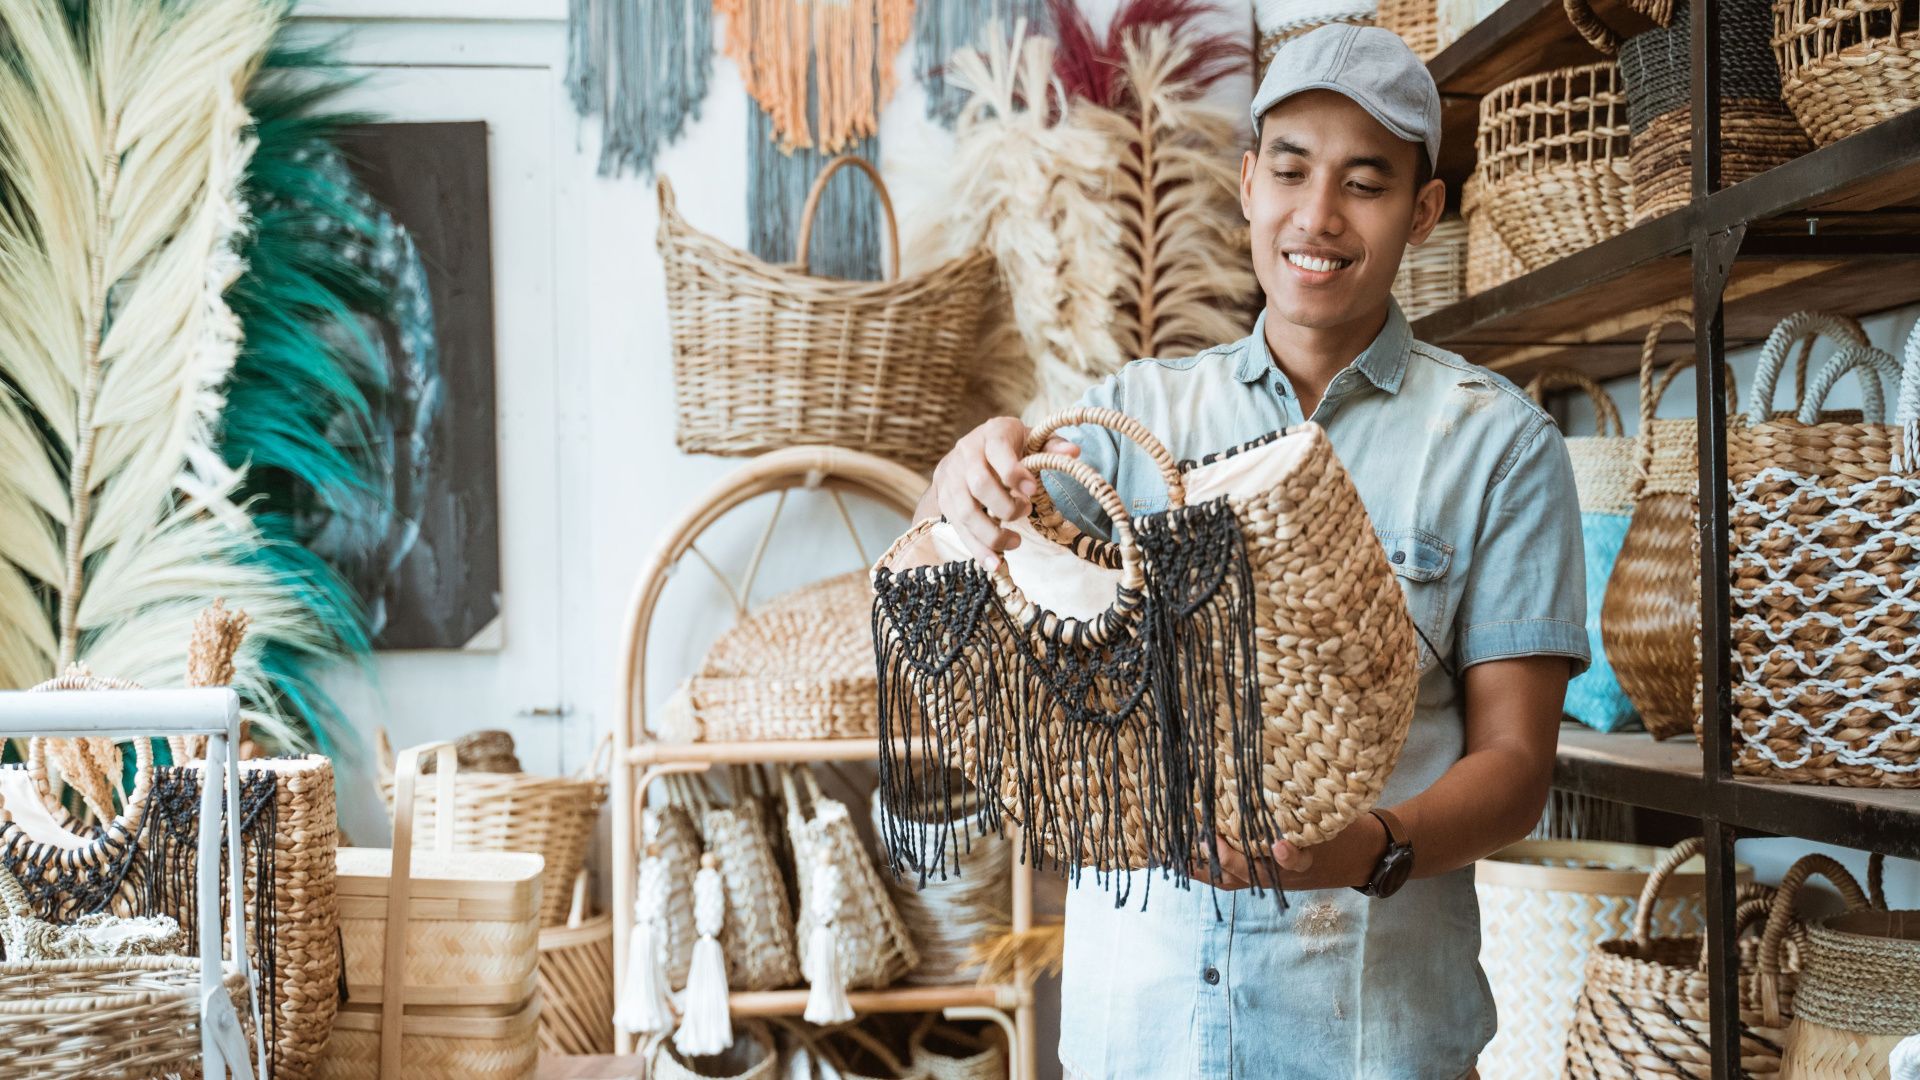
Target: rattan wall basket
1544,905
1553,161
800,667
1434,274
1846,65
1416,21
1490,261
766,356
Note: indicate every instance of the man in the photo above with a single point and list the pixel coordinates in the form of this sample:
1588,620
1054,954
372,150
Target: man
1470,490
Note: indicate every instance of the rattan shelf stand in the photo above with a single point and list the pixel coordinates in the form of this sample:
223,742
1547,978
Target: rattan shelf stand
639,760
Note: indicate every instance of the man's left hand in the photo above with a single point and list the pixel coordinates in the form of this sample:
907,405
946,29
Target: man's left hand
1346,860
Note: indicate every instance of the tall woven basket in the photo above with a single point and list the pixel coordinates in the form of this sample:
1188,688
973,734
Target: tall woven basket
1416,21
1859,995
1434,274
964,894
1544,905
1846,65
1554,166
766,356
1821,579
1490,261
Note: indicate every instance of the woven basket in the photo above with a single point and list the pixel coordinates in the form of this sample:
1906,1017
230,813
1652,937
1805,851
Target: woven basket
1278,526
1604,468
1858,998
801,667
135,1016
964,894
767,356
752,1056
576,981
1490,261
549,816
944,1051
1416,21
1544,905
1650,620
1276,22
871,939
1553,161
758,934
1643,1010
498,1042
671,827
1820,633
1846,65
1434,274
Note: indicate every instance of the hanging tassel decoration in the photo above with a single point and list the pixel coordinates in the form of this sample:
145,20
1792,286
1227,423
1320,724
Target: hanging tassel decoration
646,1003
943,27
827,984
642,67
706,1024
846,46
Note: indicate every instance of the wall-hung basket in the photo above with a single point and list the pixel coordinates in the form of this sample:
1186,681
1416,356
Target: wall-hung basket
766,356
1553,164
1756,130
1416,21
799,667
1276,22
1434,274
1490,261
1846,65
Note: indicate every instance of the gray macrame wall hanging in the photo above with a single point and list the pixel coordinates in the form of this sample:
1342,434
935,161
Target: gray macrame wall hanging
943,27
846,241
641,66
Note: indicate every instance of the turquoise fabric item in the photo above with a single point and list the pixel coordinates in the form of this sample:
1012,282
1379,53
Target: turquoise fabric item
1594,697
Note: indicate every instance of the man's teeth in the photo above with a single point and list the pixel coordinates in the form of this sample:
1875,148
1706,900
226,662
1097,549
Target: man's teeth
1308,262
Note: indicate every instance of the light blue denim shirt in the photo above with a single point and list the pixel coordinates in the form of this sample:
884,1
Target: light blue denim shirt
1469,487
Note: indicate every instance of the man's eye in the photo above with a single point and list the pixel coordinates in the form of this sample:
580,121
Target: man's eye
1285,174
1366,189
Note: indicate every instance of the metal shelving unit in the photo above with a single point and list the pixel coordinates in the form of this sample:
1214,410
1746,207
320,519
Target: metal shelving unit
1838,229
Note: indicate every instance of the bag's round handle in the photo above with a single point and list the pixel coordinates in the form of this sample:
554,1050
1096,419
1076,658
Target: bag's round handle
1122,424
1128,597
1606,414
1749,912
1802,328
1598,34
803,244
1675,857
1651,392
1873,366
1780,922
133,810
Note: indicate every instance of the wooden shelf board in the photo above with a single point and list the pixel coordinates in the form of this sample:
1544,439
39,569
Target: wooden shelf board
901,999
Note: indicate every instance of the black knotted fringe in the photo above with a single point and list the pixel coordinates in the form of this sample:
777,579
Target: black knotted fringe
955,669
62,885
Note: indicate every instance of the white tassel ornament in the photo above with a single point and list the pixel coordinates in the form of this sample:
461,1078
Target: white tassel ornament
706,1025
1904,1062
827,990
646,1003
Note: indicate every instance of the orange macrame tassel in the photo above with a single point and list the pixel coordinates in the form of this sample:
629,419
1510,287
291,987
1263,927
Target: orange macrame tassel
851,44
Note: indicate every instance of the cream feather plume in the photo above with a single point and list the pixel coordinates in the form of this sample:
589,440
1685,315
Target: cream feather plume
123,143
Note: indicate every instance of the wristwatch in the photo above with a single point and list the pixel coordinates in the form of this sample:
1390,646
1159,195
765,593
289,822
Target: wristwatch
1396,865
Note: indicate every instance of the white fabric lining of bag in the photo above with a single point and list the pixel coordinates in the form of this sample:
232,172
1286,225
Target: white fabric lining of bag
1885,534
21,800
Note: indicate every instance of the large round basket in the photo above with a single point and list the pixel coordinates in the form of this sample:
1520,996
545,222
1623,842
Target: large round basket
86,1019
801,667
1846,65
766,356
1859,996
1553,165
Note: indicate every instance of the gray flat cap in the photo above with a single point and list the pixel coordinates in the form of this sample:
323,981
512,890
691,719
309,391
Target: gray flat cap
1370,65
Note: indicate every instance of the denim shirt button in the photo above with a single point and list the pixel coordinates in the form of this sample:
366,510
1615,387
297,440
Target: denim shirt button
1212,976
1399,557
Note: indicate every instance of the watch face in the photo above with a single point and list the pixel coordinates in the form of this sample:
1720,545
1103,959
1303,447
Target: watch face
1394,871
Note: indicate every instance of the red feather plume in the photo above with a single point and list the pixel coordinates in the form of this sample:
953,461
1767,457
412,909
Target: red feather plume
1094,70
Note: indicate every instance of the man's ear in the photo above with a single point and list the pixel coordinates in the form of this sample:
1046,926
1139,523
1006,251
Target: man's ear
1428,204
1249,161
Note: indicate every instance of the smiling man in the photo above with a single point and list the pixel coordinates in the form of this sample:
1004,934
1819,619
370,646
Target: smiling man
1373,971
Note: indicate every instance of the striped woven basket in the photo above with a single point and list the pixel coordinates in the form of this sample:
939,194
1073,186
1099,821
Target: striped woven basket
1416,21
1434,274
576,981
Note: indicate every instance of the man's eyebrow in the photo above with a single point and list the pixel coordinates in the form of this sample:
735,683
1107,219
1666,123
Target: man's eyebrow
1371,161
1283,145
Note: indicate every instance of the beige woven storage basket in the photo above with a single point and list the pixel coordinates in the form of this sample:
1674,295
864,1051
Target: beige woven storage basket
1416,21
576,981
767,356
1553,161
131,1016
1544,905
946,1051
871,939
1846,65
1858,998
1434,274
800,667
753,1056
499,1042
1490,261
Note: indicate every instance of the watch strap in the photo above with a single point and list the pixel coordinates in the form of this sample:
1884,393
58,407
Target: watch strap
1396,832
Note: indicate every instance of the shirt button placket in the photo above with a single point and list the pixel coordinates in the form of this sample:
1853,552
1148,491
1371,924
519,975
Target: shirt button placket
1214,1052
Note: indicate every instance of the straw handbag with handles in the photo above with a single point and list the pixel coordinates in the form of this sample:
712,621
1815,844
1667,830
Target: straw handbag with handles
870,940
1823,536
767,356
1859,993
1604,468
1130,701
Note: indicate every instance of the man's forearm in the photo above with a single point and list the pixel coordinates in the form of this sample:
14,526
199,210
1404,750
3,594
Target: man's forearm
1487,800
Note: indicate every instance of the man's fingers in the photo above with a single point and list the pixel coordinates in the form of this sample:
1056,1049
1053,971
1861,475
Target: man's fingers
990,493
1293,859
1058,445
1004,458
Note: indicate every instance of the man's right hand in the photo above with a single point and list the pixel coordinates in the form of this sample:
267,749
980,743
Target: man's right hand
980,484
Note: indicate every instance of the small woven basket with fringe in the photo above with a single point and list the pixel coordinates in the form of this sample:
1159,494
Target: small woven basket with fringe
800,667
1846,65
1553,161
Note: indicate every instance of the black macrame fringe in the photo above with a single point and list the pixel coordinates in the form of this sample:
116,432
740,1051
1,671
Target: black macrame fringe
61,887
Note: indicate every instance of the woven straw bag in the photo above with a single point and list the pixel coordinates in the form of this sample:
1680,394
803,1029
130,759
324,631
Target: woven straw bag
753,1056
1643,1010
800,667
1197,659
1650,621
1544,905
1823,560
576,981
758,934
1553,161
671,827
1756,130
549,816
1434,274
1846,65
133,1016
1604,467
1276,22
767,356
1859,993
871,939
1416,21
963,894
945,1051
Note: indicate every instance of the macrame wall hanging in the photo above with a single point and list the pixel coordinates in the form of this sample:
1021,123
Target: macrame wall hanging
944,27
641,66
846,240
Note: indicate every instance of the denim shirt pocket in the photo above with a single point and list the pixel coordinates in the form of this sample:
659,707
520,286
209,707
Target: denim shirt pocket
1421,561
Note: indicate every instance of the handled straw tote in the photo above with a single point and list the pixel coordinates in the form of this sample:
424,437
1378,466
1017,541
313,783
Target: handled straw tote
1240,666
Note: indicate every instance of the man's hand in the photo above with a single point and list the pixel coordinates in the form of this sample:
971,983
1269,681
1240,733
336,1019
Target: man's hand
980,484
1347,859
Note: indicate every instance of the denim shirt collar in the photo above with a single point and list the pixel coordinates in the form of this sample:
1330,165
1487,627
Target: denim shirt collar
1383,363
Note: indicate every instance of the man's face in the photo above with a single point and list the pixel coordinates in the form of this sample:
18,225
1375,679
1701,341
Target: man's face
1330,196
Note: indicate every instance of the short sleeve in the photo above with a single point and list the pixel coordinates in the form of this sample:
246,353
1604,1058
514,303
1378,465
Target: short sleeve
1099,449
1525,593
